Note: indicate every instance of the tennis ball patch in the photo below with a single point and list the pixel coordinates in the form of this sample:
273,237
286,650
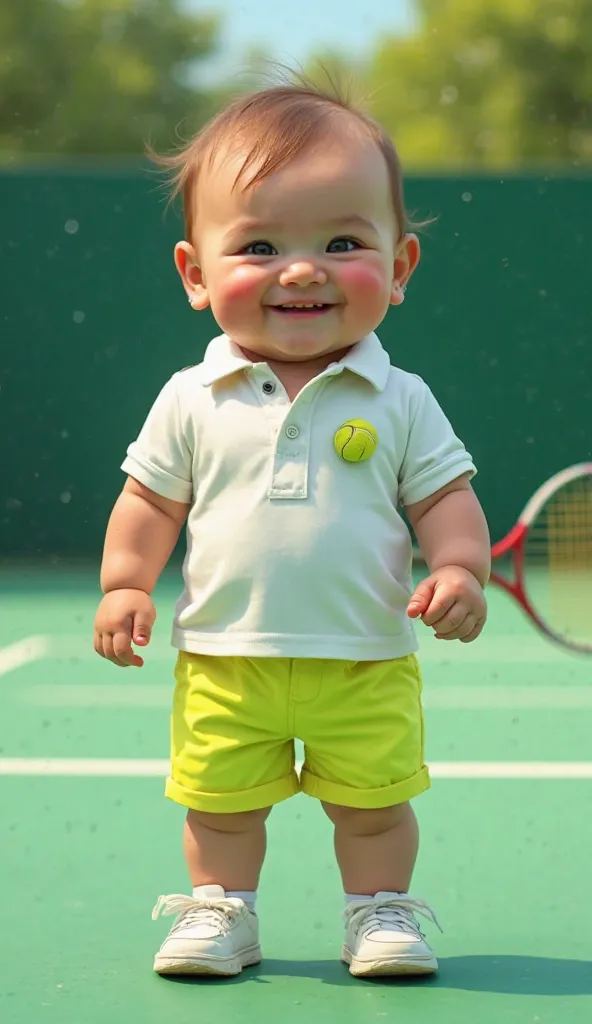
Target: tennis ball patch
355,440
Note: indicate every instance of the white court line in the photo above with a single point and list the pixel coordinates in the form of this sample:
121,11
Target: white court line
492,648
457,698
511,770
31,648
508,698
83,766
132,768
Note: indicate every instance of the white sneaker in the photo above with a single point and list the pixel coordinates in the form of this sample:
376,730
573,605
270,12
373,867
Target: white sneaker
213,934
383,937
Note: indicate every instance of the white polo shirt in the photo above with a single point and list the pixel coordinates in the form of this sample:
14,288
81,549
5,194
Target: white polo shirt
291,551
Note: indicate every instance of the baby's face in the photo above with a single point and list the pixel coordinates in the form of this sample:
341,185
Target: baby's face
306,262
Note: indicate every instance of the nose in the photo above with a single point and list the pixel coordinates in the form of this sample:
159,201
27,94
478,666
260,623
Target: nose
302,273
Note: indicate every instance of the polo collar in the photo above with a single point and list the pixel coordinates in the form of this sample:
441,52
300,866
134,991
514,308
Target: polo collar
366,359
369,360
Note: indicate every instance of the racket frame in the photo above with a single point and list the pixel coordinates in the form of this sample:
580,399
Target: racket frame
514,543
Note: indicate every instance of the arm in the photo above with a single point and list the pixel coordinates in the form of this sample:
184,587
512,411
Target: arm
143,529
141,535
453,535
452,530
142,532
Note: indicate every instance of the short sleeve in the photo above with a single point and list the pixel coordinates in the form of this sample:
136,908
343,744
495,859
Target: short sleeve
434,455
160,458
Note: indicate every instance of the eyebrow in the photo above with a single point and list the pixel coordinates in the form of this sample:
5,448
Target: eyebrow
353,218
249,225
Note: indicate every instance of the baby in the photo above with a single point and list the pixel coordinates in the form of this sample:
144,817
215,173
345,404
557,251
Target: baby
296,616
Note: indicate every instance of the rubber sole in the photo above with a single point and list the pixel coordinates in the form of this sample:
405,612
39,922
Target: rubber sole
206,965
397,967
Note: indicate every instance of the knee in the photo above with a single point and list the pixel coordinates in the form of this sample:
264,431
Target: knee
366,821
242,821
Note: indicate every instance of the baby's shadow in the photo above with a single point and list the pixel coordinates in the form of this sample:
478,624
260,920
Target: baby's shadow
510,975
517,975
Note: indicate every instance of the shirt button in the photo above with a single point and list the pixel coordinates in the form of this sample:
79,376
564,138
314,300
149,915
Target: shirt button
268,387
292,432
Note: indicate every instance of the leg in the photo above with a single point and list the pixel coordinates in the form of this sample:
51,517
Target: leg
229,754
376,852
214,934
376,849
225,849
365,762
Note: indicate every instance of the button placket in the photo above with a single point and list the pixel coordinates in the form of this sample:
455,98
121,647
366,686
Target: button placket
290,470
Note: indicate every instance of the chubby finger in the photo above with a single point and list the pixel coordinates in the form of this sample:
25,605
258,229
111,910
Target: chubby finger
108,651
111,654
455,627
106,643
439,608
98,643
123,651
106,646
420,599
142,629
478,628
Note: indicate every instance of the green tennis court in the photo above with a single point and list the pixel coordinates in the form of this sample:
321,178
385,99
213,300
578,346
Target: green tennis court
90,842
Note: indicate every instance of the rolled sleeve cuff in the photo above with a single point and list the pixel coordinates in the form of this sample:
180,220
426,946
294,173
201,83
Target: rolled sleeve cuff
157,479
431,480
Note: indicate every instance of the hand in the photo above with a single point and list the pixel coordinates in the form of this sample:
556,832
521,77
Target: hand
123,616
452,602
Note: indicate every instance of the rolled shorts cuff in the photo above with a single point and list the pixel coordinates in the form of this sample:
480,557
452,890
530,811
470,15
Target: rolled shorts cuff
231,803
366,799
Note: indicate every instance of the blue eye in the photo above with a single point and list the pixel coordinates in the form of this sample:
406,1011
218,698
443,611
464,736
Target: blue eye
342,245
260,249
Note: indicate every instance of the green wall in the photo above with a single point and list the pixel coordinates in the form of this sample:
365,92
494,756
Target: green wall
93,321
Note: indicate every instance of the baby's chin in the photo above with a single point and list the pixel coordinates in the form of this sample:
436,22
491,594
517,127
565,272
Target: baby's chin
298,351
300,346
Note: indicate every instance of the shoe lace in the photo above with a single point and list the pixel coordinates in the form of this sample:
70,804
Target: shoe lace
396,912
221,913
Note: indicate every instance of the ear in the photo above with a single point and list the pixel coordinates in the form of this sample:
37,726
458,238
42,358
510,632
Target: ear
191,275
406,260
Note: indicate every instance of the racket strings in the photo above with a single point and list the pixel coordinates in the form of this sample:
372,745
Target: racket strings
559,561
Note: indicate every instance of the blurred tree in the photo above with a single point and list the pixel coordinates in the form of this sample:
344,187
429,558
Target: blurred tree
489,83
99,76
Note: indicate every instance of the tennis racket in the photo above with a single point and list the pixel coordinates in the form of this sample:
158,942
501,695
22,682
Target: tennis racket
550,552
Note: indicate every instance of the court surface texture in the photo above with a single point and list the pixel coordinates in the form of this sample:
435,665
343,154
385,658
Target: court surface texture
89,842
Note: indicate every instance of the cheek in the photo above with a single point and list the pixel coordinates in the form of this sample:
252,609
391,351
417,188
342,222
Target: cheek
240,287
364,282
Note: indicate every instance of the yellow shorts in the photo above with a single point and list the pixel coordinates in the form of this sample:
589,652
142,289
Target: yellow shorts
235,719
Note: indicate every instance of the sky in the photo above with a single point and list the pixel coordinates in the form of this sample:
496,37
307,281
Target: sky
290,32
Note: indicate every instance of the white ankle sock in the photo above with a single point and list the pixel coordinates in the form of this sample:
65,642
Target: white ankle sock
217,891
248,898
355,898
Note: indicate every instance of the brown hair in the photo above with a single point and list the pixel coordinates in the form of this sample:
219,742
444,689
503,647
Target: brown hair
276,125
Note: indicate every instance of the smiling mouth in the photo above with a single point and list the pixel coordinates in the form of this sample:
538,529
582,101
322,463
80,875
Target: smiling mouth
303,308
